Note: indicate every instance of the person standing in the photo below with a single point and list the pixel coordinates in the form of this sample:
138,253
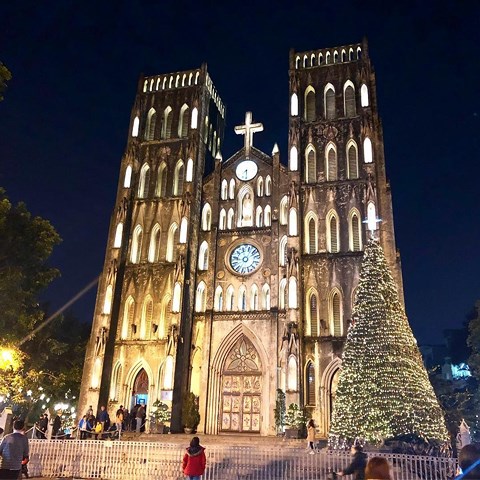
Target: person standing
139,417
13,450
119,420
43,425
103,417
357,465
311,436
57,424
194,460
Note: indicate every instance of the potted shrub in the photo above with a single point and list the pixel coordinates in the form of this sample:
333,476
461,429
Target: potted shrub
160,414
280,411
294,421
190,412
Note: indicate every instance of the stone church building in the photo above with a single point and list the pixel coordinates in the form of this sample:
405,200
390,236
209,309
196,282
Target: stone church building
233,277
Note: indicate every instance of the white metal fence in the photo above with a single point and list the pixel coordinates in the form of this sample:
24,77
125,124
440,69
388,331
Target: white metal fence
126,460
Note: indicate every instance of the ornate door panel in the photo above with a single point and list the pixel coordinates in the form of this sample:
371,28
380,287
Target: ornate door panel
241,389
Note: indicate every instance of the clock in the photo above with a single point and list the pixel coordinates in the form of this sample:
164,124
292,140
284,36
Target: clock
245,258
246,170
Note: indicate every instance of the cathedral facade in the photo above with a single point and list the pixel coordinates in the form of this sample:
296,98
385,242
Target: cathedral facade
239,282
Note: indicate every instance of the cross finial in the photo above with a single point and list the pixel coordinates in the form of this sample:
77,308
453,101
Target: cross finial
248,130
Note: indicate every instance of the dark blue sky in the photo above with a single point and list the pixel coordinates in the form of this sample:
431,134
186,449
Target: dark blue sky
63,125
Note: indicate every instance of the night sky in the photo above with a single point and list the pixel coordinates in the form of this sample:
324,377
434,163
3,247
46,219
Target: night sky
64,121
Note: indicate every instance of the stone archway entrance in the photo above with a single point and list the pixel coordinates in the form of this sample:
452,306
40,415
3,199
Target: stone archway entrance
140,389
241,389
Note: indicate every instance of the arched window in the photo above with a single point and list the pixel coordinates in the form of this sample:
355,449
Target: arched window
266,297
183,230
177,296
335,57
218,305
310,384
147,315
268,216
292,293
154,247
254,298
203,256
259,217
161,188
312,313
260,187
127,181
333,233
311,164
293,159
230,218
136,245
292,223
350,55
189,172
331,161
168,373
242,298
336,320
144,181
128,316
311,243
268,186
367,151
284,210
231,190
116,384
136,126
282,294
327,58
178,179
329,101
294,105
282,251
150,125
107,303
224,190
355,232
349,99
117,243
200,297
206,217
364,95
194,121
163,322
230,298
183,121
167,123
292,384
352,164
222,221
310,104
371,217
171,254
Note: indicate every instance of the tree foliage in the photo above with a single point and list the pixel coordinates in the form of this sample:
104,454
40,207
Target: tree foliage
5,76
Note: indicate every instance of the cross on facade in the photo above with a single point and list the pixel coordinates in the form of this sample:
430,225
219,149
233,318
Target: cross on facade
248,130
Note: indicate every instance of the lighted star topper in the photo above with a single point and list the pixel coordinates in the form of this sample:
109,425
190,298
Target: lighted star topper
248,130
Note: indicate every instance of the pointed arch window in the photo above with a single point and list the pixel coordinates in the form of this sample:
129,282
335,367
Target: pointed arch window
364,96
312,314
168,373
177,296
367,151
292,222
260,187
282,251
206,217
154,247
150,125
231,190
230,218
293,159
242,298
352,155
144,181
194,120
116,384
371,217
294,105
136,244
136,127
218,299
311,237
178,179
333,233
355,232
222,222
311,164
254,298
167,123
200,297
310,384
117,243
282,294
161,187
292,293
162,327
336,320
147,315
268,186
284,210
203,256
183,121
268,216
292,383
259,217
107,303
171,254
127,181
189,172
329,100
128,317
331,160
183,230
230,298
266,297
224,190
310,104
349,99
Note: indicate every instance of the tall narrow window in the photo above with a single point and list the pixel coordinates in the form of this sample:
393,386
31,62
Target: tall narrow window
171,254
206,217
254,298
336,315
200,297
136,126
292,384
222,221
224,190
128,315
331,163
144,182
355,232
167,123
127,181
147,315
268,216
293,159
242,298
292,222
292,293
183,121
189,172
367,151
154,247
163,321
230,218
312,236
260,187
229,299
150,124
107,303
349,99
310,104
329,100
310,384
266,297
268,186
117,243
218,305
177,296
259,217
284,211
294,105
364,95
282,251
371,217
313,310
178,179
282,294
168,371
183,230
136,245
194,121
311,164
161,187
352,155
332,233
231,189
203,256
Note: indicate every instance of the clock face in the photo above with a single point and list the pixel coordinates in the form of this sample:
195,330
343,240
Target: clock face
245,258
246,170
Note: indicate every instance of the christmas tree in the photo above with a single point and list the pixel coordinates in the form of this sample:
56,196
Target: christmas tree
383,389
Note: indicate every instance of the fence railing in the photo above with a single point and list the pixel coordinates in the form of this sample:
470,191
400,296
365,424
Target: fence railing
132,460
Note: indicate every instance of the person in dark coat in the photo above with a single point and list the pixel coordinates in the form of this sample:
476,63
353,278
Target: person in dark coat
357,466
57,423
43,426
469,462
194,460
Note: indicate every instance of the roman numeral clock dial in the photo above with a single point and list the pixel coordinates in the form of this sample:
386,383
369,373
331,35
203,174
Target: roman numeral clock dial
245,259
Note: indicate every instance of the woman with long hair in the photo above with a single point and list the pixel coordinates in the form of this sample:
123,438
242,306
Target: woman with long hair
377,469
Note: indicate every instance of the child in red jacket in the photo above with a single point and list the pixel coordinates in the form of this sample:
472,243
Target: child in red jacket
194,460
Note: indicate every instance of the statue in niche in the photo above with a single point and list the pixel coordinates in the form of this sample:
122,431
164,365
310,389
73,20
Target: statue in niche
292,259
370,193
247,210
112,271
100,342
185,204
293,200
293,83
178,270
